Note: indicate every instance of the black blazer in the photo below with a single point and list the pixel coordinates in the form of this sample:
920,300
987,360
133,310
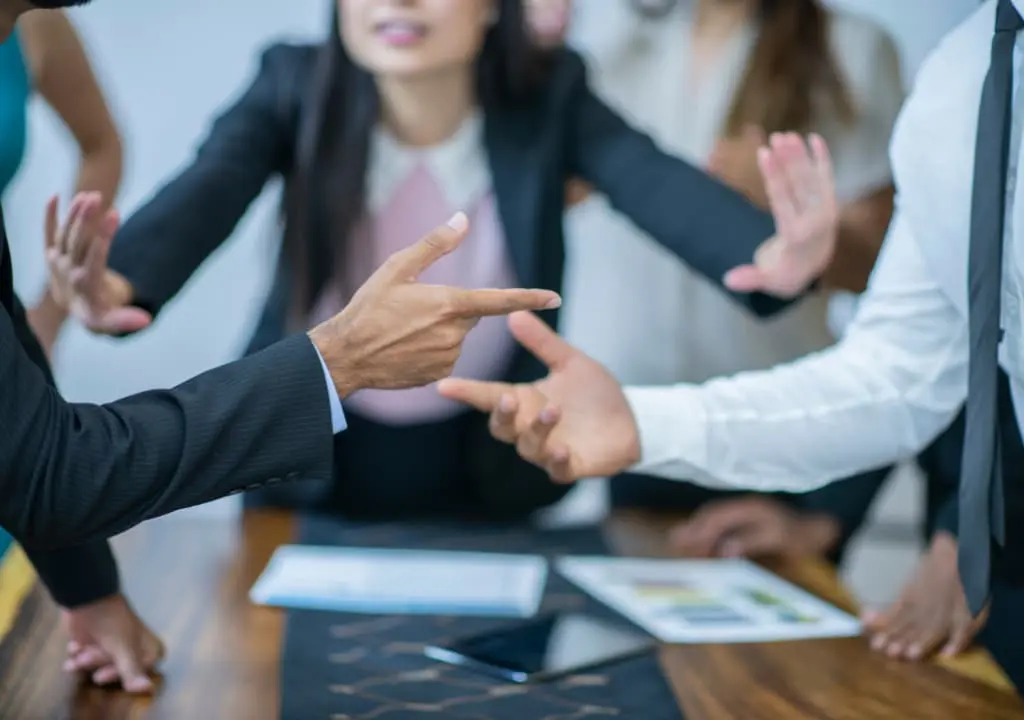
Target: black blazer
76,472
533,148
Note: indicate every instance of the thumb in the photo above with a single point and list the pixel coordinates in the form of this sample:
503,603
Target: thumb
406,265
538,337
745,278
480,394
127,659
121,321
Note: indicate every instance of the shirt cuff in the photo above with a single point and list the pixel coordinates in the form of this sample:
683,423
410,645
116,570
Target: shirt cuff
338,422
672,428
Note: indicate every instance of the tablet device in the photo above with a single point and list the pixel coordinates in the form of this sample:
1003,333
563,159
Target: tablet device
544,648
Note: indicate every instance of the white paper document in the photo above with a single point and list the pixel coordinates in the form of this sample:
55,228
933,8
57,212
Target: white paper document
402,581
707,601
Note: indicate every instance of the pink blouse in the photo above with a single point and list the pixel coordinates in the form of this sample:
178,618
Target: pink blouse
409,193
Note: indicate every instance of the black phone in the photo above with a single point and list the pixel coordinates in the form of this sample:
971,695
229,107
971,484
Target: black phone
544,648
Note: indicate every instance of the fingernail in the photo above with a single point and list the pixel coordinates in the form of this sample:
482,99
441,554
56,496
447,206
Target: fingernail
914,652
547,416
554,302
877,642
506,403
458,222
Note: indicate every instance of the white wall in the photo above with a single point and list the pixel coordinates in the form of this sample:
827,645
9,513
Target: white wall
167,65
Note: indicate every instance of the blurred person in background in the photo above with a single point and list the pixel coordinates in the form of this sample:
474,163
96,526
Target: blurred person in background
44,55
709,79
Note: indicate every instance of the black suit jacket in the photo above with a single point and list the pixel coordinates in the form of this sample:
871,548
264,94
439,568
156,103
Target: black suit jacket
533,147
76,472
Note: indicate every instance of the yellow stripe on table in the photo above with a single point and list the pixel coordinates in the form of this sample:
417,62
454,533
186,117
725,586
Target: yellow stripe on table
16,579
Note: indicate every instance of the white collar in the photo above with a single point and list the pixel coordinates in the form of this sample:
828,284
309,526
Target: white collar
1019,4
459,165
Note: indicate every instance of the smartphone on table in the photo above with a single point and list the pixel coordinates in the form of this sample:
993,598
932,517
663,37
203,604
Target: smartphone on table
544,648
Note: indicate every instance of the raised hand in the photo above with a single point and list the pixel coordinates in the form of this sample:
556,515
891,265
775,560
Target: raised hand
80,281
574,423
800,187
399,333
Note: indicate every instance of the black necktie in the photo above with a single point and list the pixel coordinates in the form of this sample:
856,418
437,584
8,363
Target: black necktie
981,482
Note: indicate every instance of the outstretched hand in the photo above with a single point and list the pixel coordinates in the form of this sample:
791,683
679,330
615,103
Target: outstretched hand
574,423
80,281
397,332
800,186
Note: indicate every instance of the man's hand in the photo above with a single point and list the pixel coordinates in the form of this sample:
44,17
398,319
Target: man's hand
548,21
574,423
800,188
399,333
109,643
80,281
734,162
931,614
753,526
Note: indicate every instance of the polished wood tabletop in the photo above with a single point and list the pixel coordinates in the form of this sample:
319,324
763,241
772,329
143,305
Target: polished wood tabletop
189,577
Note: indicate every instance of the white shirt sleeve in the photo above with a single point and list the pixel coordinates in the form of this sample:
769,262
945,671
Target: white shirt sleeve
338,422
880,395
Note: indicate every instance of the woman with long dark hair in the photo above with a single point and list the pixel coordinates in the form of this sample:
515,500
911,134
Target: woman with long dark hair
408,112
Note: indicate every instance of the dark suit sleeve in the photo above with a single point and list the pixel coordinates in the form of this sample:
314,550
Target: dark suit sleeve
164,242
507,487
79,574
711,227
847,502
75,472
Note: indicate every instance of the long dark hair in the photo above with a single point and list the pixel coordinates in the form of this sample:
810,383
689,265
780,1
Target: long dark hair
325,194
791,76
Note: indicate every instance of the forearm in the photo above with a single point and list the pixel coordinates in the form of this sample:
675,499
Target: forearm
75,472
77,575
890,386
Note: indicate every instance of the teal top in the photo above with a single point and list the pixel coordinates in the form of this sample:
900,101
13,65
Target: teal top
15,89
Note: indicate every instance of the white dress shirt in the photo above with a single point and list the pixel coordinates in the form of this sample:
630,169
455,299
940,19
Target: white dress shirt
899,376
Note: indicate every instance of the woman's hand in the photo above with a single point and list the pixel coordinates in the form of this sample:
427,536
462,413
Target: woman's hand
80,281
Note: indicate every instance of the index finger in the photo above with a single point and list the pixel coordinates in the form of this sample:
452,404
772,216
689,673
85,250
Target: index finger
482,395
490,302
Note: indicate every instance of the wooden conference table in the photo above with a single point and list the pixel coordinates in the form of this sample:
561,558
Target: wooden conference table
189,577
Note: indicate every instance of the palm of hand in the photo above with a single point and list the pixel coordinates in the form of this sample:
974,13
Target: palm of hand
596,423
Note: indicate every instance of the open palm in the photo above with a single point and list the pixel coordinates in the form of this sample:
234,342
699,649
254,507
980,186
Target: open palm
80,281
574,423
800,187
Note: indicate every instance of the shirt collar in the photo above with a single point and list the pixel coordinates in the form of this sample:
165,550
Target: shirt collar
459,165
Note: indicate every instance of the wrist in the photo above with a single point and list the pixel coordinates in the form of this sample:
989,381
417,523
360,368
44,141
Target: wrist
345,378
818,534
